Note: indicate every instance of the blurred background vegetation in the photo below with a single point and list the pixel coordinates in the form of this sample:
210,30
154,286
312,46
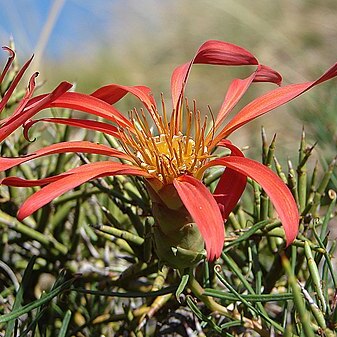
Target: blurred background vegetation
130,42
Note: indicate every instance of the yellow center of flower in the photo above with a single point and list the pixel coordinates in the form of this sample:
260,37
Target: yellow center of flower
174,149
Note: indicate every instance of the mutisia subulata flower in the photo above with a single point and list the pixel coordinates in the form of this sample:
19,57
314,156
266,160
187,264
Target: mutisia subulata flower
172,152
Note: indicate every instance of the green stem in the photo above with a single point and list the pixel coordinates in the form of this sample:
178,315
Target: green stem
212,305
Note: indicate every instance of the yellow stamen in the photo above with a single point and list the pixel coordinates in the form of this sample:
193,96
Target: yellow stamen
172,152
164,112
188,129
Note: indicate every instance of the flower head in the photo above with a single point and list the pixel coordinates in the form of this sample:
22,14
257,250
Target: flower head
172,152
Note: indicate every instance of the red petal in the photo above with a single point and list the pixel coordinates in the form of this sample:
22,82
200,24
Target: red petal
270,101
204,210
92,105
18,110
211,52
80,123
32,107
112,93
239,87
234,93
19,182
9,62
63,147
267,74
15,82
79,176
277,191
88,104
231,184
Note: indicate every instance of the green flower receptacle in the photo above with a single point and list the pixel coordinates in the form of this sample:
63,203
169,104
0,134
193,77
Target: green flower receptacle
177,240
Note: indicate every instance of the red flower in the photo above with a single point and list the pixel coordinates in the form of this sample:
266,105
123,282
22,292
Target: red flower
173,158
24,109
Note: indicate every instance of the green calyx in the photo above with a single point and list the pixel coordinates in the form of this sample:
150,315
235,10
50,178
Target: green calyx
178,242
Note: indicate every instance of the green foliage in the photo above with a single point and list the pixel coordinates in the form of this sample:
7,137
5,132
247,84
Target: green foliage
88,266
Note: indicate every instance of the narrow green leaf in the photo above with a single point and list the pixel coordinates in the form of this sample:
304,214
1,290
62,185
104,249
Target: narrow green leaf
292,182
247,234
298,300
317,313
182,285
160,278
123,234
148,240
128,294
314,273
33,305
200,315
19,296
277,297
65,324
328,214
257,311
